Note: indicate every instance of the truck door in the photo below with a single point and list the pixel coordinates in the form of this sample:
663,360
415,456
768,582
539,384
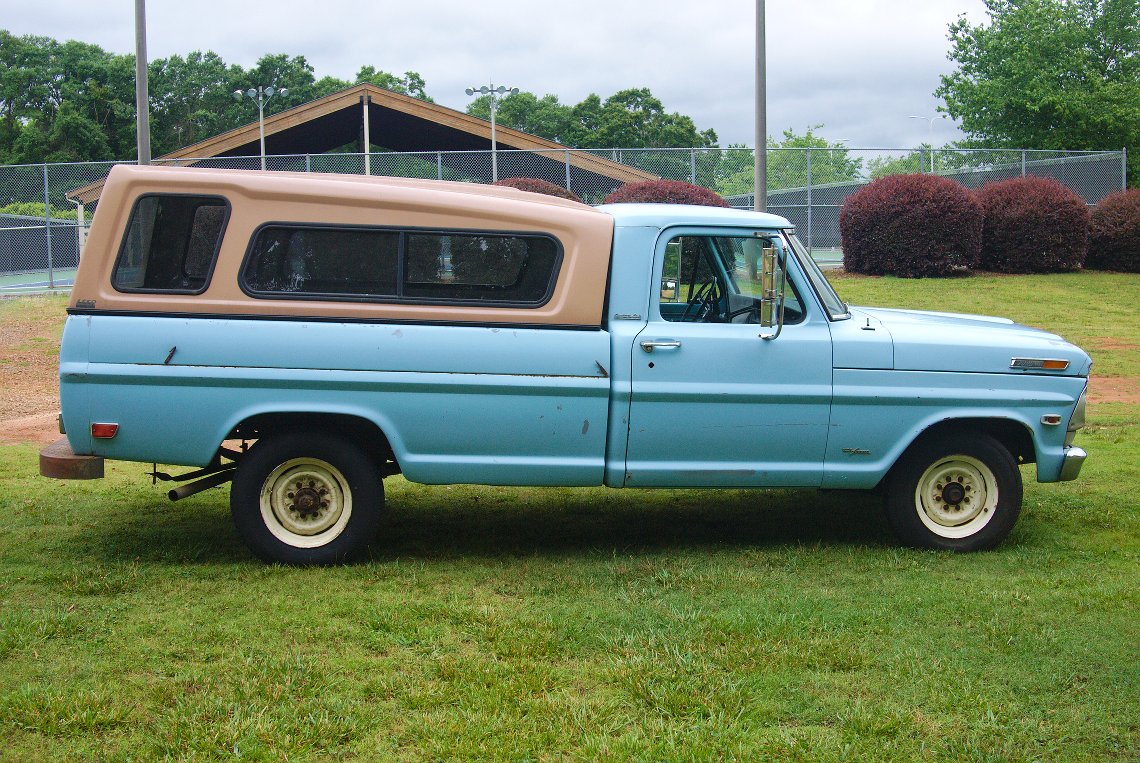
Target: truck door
712,403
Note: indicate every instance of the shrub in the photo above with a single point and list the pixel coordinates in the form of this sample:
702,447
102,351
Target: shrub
36,209
1114,233
1032,225
534,185
912,226
665,192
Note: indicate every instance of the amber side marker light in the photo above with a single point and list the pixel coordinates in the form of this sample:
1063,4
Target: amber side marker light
104,431
1044,364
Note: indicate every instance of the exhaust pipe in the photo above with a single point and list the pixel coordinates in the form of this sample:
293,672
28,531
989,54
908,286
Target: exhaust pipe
185,491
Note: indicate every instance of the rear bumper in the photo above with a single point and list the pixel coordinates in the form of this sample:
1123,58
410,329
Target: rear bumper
59,462
1071,466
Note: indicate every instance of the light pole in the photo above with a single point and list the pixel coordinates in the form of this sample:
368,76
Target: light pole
261,95
493,91
930,121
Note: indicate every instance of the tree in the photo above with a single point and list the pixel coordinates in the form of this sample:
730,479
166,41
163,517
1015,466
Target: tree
787,165
545,117
410,84
634,118
82,87
1054,74
192,99
913,162
23,85
631,118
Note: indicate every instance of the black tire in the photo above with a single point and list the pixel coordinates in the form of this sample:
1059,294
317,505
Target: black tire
322,499
955,492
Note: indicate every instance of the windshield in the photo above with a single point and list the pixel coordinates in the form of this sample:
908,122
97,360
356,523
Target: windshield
836,308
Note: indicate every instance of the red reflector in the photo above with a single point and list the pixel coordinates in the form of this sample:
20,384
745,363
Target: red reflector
104,431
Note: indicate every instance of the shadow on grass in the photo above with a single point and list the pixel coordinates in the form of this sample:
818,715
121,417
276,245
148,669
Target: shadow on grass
573,524
442,523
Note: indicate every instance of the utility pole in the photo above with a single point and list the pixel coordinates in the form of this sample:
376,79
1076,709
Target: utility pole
760,189
142,98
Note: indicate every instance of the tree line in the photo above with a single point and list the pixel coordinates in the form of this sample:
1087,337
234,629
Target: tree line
75,102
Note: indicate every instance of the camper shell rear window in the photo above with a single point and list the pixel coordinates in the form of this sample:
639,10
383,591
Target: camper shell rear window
171,244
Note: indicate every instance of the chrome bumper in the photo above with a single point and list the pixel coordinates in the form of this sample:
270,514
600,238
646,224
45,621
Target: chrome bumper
1074,459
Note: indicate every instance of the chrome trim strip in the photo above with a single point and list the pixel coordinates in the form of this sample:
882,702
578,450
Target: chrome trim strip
1077,420
1038,363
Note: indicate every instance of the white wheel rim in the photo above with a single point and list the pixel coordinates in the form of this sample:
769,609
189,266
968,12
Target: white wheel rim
956,497
306,502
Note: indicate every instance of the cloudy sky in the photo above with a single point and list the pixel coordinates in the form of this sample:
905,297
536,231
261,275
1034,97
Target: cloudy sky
859,67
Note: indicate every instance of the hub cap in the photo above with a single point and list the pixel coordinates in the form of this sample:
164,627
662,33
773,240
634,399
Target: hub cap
306,502
956,496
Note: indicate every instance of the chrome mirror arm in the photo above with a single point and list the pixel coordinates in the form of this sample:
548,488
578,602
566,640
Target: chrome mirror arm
783,263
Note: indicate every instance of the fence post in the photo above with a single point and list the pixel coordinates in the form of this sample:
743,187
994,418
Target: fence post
47,231
567,169
1023,162
809,200
693,166
439,165
1124,168
308,163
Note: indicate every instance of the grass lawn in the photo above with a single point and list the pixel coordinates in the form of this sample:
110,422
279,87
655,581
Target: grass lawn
522,624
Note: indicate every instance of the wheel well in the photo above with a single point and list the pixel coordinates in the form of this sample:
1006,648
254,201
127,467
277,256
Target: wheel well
1013,436
354,428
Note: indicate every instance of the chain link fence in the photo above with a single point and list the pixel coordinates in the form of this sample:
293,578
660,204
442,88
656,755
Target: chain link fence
43,221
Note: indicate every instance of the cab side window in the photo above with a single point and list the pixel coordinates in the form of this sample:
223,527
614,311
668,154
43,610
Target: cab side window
715,279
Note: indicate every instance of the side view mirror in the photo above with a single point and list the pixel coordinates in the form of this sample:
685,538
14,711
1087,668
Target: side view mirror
668,290
773,281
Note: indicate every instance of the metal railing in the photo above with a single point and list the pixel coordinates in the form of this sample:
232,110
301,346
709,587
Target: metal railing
43,226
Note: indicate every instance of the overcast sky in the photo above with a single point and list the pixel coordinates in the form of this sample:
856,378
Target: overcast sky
859,67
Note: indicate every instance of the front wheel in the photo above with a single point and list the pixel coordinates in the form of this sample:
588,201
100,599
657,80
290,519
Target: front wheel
958,492
306,499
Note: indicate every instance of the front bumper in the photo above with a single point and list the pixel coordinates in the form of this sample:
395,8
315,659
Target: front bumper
1071,466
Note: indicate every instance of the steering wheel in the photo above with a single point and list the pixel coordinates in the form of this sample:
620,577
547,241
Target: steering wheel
704,303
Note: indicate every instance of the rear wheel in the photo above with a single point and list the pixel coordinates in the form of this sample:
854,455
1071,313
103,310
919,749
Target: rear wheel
958,492
306,499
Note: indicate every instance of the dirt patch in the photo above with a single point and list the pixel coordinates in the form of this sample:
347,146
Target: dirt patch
41,428
29,369
1115,389
1112,344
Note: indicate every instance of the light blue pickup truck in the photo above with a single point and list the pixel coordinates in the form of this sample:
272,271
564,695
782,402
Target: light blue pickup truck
306,336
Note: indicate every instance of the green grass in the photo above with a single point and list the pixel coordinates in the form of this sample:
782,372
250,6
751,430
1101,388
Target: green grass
517,624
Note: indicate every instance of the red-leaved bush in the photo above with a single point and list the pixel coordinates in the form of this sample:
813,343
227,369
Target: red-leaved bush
535,185
1114,233
912,226
665,192
1032,225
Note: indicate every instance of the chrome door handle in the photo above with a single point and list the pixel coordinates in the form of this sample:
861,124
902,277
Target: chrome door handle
665,344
